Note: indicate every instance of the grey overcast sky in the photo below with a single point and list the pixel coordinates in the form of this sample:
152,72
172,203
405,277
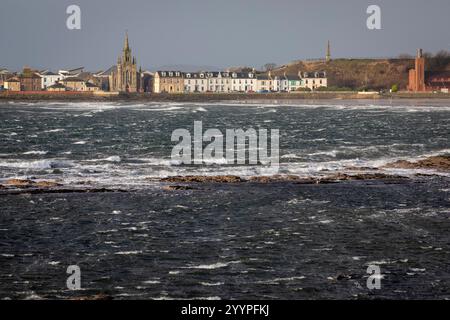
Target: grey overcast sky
218,33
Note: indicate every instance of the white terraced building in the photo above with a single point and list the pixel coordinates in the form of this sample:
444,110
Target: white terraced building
314,80
219,82
195,82
227,82
243,81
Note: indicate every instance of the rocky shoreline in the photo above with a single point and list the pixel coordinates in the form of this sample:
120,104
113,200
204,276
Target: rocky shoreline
177,183
439,163
334,178
28,186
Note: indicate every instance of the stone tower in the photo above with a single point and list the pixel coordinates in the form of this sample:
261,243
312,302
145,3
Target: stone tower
420,71
417,75
126,77
328,56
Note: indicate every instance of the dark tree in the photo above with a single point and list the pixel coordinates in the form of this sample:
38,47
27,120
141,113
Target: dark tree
269,66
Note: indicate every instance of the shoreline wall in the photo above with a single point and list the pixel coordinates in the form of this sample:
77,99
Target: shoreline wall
205,97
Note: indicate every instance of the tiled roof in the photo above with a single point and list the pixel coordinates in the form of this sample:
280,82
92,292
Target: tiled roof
29,76
291,77
73,79
48,73
56,86
431,75
107,72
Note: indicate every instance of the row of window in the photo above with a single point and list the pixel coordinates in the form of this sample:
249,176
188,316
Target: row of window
215,89
202,75
216,81
54,80
170,74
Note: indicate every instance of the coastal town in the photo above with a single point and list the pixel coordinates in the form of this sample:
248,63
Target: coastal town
126,77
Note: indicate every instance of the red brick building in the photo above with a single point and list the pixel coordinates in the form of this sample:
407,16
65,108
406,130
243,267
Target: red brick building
438,81
421,81
29,80
417,75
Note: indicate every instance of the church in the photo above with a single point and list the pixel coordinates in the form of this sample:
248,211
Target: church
125,77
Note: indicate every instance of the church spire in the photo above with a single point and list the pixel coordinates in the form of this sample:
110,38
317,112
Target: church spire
126,46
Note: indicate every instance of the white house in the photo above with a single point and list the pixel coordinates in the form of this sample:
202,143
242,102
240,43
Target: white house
314,80
243,82
294,83
276,83
49,78
219,82
195,82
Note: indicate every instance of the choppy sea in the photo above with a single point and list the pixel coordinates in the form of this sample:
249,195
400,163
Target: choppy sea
224,241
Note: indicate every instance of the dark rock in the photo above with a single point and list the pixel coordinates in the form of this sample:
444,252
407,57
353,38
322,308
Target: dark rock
25,183
341,277
46,184
362,176
437,162
204,179
100,296
19,183
361,168
176,188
